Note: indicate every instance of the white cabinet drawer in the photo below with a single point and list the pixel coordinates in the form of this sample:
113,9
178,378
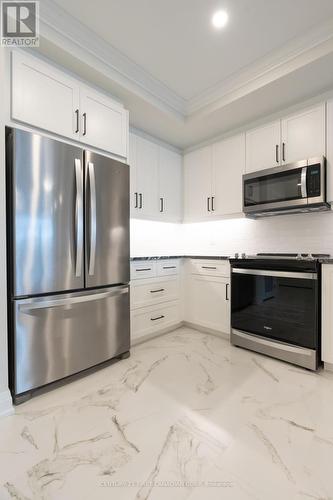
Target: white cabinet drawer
151,319
210,267
167,267
151,292
143,269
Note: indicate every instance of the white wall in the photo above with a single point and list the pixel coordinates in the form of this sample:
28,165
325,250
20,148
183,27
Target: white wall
290,233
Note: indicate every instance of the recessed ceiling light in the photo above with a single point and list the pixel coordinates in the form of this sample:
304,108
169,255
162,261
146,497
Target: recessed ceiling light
220,19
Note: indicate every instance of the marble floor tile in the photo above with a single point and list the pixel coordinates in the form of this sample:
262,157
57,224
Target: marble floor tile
187,416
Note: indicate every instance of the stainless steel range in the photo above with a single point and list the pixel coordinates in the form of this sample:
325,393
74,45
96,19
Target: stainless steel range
275,306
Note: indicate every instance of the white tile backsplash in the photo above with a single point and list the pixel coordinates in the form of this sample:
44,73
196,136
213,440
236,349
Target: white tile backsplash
289,233
150,238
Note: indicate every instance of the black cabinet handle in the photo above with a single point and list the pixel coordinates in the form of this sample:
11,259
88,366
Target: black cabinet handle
169,267
84,123
208,204
277,153
159,290
140,198
208,267
226,291
158,317
161,204
77,120
143,269
136,200
283,151
213,208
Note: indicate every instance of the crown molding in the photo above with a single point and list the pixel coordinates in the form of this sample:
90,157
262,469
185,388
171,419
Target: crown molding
59,27
67,32
297,53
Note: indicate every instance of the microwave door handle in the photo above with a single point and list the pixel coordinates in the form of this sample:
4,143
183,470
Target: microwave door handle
303,182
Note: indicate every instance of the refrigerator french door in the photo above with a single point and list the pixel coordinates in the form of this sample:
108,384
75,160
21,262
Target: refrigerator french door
68,260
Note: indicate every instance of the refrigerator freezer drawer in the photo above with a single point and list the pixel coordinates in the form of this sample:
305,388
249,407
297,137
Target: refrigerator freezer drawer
60,335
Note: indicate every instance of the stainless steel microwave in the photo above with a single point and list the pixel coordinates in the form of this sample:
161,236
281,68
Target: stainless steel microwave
293,188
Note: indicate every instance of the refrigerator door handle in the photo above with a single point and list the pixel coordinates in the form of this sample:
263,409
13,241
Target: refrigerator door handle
78,217
25,307
93,226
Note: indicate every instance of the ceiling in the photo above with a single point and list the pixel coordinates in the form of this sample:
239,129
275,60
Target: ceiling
174,41
182,80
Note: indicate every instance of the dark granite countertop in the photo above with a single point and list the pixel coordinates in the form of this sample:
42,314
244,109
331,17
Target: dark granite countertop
326,260
212,257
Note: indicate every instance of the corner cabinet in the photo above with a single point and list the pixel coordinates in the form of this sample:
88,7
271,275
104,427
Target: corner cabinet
213,179
198,183
228,160
46,97
155,180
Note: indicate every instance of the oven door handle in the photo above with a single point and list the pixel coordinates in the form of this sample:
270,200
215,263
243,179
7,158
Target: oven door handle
277,274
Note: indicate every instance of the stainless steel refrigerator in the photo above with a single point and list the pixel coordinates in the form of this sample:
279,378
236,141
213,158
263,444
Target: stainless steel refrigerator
68,260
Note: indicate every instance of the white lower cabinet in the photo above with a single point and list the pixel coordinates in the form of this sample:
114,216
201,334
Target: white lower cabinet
327,314
207,294
155,296
150,292
149,320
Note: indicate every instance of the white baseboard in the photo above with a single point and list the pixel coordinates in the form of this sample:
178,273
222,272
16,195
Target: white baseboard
204,329
6,403
158,333
194,326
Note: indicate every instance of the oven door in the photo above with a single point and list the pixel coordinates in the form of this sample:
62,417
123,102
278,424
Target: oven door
276,188
277,305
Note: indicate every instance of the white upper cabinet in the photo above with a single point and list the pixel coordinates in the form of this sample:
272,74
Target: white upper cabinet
147,177
104,122
155,181
198,183
44,97
303,134
329,138
296,137
228,168
263,147
170,185
47,98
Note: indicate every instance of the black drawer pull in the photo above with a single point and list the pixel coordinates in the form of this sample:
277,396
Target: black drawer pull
169,267
159,290
158,317
143,269
226,291
208,267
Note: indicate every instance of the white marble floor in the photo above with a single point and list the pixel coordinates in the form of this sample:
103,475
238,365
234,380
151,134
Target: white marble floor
187,416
